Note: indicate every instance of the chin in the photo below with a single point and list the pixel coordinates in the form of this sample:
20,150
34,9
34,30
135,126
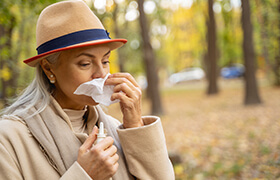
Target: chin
90,101
93,104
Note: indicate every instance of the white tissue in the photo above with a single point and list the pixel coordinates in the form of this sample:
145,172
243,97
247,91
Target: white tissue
96,89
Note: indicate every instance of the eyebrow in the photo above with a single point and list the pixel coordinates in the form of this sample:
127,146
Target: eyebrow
91,55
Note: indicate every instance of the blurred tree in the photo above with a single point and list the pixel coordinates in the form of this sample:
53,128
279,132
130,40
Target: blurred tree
17,19
251,87
7,67
183,44
176,33
211,57
266,34
150,63
263,19
121,55
229,35
108,14
277,56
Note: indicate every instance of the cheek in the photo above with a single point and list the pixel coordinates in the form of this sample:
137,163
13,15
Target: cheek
69,81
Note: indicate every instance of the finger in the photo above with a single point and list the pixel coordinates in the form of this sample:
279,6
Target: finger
114,159
119,80
113,169
116,165
131,79
122,83
90,140
105,143
120,96
126,76
112,162
126,90
111,151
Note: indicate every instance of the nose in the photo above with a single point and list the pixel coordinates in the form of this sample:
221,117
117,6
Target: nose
99,72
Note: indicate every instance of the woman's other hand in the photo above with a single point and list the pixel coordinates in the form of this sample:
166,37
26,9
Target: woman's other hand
100,161
129,93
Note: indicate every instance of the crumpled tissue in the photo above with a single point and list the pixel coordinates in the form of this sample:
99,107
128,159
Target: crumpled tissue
96,89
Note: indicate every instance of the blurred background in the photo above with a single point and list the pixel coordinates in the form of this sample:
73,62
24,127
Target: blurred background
209,68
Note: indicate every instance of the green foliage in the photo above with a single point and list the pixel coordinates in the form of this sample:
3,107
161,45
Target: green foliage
184,44
266,20
229,35
17,42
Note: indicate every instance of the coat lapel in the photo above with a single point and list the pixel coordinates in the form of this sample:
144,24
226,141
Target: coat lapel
54,136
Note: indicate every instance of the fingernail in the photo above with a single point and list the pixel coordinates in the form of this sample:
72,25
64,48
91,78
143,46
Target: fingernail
94,128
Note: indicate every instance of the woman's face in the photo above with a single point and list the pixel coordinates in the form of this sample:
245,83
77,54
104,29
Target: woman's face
75,67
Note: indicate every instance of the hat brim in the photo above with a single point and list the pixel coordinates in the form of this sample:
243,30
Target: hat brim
112,44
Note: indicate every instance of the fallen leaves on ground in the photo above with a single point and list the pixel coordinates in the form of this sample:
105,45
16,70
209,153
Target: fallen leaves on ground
217,136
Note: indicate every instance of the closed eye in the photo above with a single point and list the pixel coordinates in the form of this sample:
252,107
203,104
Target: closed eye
84,64
105,62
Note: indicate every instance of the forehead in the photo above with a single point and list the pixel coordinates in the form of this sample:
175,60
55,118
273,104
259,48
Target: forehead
96,51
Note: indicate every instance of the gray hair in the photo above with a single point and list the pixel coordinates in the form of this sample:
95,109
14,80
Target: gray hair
38,91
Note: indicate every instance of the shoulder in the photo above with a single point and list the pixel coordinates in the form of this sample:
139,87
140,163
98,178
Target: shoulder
12,126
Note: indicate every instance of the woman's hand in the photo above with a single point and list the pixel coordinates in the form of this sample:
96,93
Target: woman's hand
100,160
129,93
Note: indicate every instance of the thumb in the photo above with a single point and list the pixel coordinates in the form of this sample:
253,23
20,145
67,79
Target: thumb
91,139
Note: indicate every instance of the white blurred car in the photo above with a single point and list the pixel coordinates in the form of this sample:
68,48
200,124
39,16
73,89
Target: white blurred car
187,74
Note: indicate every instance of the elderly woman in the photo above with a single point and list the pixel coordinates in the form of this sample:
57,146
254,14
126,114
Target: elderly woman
49,132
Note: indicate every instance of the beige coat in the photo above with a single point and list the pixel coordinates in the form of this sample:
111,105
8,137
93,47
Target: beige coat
142,151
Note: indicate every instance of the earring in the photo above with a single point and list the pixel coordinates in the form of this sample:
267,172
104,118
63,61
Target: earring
52,80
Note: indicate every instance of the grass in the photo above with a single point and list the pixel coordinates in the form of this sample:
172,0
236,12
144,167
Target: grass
217,137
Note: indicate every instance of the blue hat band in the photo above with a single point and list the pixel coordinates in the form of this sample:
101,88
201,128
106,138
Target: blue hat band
72,39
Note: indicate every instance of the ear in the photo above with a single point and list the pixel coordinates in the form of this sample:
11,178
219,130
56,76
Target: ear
47,68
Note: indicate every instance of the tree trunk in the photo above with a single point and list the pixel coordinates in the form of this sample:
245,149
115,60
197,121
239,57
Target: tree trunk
251,88
150,64
211,63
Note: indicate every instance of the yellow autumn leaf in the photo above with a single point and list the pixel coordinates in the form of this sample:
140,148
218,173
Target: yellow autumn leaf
5,73
179,169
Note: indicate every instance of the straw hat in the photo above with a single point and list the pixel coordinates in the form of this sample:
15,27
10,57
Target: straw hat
67,25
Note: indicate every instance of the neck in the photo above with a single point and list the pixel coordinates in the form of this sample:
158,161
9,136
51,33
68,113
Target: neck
65,103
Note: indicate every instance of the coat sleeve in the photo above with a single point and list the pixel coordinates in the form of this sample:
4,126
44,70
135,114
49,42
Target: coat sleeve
9,169
145,150
75,172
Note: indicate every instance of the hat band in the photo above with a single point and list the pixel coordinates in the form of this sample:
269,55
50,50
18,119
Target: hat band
72,39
